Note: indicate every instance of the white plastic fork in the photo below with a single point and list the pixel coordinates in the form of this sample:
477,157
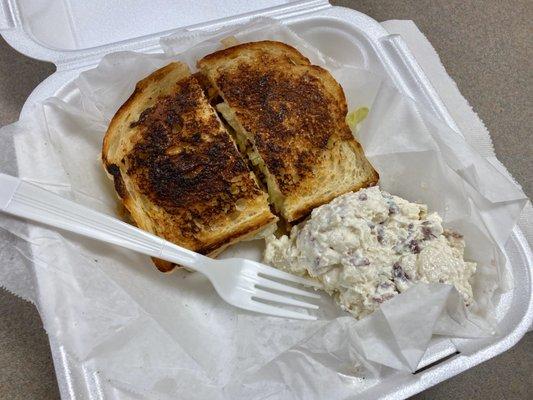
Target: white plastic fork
240,282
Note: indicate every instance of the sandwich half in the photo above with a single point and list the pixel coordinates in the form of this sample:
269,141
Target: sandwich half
289,119
177,170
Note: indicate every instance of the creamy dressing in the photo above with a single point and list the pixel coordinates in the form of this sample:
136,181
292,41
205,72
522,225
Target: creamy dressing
368,246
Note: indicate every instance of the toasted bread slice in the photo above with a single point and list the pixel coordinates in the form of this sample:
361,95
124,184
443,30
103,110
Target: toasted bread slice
177,170
289,115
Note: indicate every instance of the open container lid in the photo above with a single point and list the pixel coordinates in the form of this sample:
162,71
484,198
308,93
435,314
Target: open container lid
76,34
72,33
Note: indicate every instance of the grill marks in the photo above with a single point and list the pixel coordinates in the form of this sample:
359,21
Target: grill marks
293,117
177,170
185,162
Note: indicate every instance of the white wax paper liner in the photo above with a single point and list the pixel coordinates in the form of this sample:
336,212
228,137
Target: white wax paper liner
159,336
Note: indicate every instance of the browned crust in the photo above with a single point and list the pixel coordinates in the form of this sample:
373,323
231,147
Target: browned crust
118,182
305,209
112,130
245,233
124,108
212,251
292,118
294,112
289,53
200,176
185,167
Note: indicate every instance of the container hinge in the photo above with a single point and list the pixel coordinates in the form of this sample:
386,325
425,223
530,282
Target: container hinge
7,16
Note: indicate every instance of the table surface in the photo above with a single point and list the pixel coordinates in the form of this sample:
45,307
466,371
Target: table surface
484,49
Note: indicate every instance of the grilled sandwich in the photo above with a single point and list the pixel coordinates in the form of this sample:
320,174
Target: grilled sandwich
177,170
289,119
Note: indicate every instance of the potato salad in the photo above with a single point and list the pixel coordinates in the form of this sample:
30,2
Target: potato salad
366,247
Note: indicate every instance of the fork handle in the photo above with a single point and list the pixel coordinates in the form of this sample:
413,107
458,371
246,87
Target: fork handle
29,201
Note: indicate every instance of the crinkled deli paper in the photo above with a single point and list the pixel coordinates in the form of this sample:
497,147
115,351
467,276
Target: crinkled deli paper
171,336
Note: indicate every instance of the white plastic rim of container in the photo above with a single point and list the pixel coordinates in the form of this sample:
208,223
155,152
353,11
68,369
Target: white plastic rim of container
75,34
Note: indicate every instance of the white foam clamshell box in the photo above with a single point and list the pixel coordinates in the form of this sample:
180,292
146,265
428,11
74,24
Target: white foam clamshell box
75,34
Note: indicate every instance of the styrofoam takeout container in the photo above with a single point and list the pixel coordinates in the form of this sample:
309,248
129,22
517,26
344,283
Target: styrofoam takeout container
75,34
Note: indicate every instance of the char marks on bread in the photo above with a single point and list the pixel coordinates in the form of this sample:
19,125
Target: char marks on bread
177,170
289,118
185,175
